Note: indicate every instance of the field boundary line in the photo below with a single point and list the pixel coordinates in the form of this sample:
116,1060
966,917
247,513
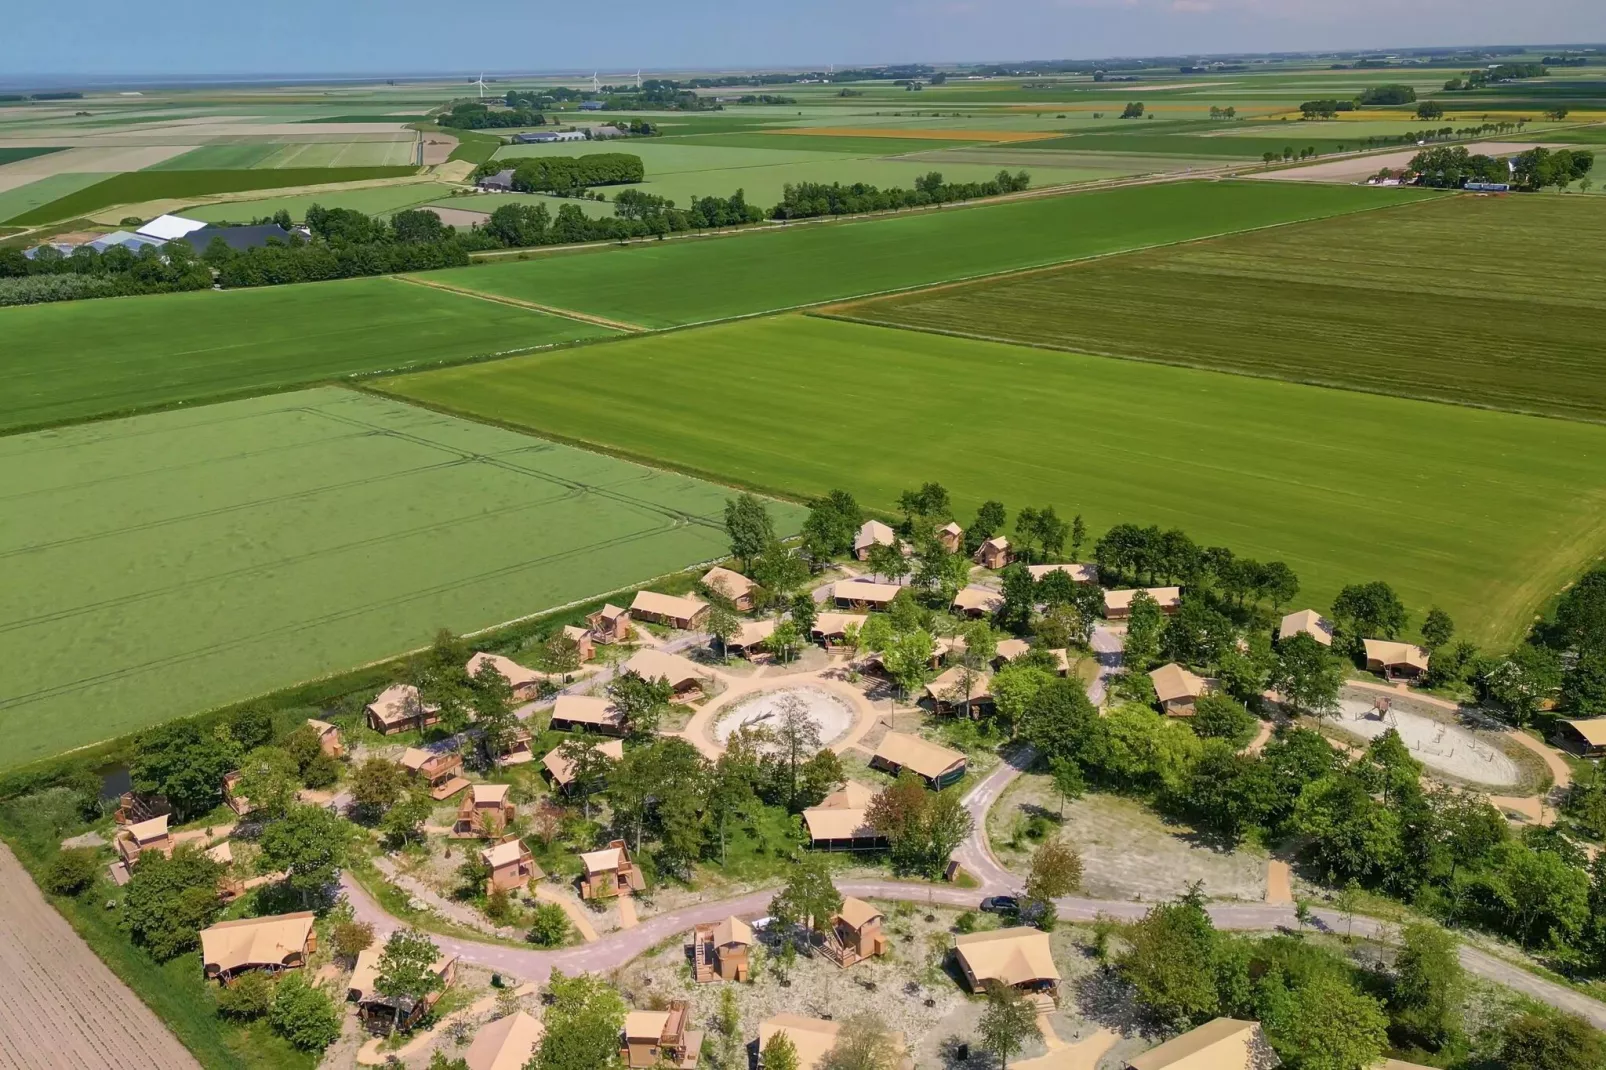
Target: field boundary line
551,310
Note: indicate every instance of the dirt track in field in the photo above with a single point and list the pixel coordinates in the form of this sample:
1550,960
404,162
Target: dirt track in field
60,1007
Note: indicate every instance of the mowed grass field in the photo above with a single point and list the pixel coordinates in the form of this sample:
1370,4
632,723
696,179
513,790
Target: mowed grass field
81,359
1431,301
161,565
675,283
1483,513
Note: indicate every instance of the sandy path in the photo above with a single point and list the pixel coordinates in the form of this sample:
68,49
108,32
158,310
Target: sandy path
577,914
1279,886
60,1007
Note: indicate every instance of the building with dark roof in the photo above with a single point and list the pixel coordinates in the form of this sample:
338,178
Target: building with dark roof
238,238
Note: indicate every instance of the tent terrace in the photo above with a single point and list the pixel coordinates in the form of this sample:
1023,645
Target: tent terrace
1586,736
937,764
994,553
379,1013
840,822
974,601
733,585
524,682
871,533
1018,957
274,943
581,713
505,1044
750,640
1393,660
399,709
813,1038
561,770
863,594
512,865
1177,689
674,611
1118,604
1309,622
441,771
660,1038
684,675
517,748
1222,1044
1078,573
831,628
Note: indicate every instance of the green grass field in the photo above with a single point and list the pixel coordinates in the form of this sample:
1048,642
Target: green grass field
82,359
1388,302
1484,513
377,200
12,155
132,187
22,199
165,564
681,282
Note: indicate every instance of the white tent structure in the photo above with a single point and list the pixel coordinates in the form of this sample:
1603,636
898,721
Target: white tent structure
168,227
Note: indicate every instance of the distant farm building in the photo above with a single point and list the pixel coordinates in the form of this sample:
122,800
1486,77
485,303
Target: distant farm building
501,182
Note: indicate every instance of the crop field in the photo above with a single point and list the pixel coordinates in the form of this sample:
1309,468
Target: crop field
136,353
12,155
132,187
1387,302
29,195
378,200
675,283
165,564
1484,513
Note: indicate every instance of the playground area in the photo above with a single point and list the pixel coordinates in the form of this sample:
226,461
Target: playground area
1435,742
830,714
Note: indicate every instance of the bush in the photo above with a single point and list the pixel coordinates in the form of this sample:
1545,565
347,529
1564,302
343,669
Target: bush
303,1015
249,996
966,922
71,872
549,926
351,938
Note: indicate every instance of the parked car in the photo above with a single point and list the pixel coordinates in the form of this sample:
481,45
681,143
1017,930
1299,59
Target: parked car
1000,904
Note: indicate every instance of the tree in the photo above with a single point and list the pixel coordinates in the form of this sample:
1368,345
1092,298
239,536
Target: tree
885,560
1581,613
809,898
1536,1041
1007,1023
1168,961
1366,611
309,845
641,701
169,900
1330,1025
441,677
784,641
1020,598
351,938
1350,833
1141,649
1059,720
407,970
178,762
780,1053
304,1015
728,1022
246,998
588,767
832,524
559,655
582,1025
1069,782
1437,628
864,1043
1078,536
1056,871
375,787
797,737
779,571
1522,680
990,520
251,725
805,612
492,696
317,769
1429,983
1218,716
549,925
400,823
1307,676
749,526
71,871
907,659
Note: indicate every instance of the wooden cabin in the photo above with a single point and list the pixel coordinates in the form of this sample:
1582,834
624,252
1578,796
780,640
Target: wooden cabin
512,865
950,537
142,836
733,586
994,553
485,813
441,771
610,872
719,951
328,737
655,1039
609,625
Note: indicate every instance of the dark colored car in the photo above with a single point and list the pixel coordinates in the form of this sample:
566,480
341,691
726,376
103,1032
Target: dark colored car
1000,904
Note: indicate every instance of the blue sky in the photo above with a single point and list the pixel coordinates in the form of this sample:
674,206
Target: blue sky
159,37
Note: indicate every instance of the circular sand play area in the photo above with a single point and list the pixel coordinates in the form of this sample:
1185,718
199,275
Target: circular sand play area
832,715
1442,747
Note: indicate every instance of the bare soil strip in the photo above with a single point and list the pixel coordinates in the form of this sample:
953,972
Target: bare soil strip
60,1007
566,313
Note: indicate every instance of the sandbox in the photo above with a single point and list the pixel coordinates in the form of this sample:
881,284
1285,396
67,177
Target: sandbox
1442,747
832,715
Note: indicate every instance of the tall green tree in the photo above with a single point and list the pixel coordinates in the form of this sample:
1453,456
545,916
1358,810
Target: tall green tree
303,1014
1429,985
641,701
583,1025
169,900
1307,675
1522,680
1145,620
1437,629
309,845
407,971
1007,1022
779,1053
186,766
1169,961
1366,611
809,898
492,697
749,526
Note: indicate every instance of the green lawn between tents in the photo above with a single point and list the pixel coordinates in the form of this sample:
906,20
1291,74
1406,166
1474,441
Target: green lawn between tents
80,359
680,282
1483,513
166,564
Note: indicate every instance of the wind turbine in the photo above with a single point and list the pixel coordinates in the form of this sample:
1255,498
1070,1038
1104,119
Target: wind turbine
596,86
638,77
481,83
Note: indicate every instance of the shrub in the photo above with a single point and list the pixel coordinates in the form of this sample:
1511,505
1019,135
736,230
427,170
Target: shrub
549,926
71,872
303,1015
351,938
249,997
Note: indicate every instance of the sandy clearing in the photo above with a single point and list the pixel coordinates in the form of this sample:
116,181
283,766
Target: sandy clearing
1445,747
829,713
60,1007
458,217
1356,168
438,148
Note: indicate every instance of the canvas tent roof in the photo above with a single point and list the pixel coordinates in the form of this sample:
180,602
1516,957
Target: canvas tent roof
978,600
1166,596
856,912
366,972
872,532
680,607
838,823
911,752
812,1037
146,831
587,709
852,796
1222,1044
753,632
1012,956
1079,573
1308,621
865,591
655,663
1173,682
997,542
1592,729
1391,653
503,854
515,674
489,794
231,945
732,930
168,227
398,702
827,625
950,686
415,758
562,769
505,1044
607,860
732,584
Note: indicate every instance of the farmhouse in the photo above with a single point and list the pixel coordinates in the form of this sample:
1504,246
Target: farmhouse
485,811
674,611
152,835
994,553
950,536
1222,1044
733,585
505,1044
1177,689
974,601
561,770
382,1013
274,943
609,872
525,682
1395,661
328,737
872,532
610,624
939,765
947,692
439,770
839,822
720,950
1310,623
1018,957
831,628
587,713
1118,604
854,933
684,675
660,1038
1078,573
751,637
813,1038
1585,736
512,865
501,182
399,709
862,594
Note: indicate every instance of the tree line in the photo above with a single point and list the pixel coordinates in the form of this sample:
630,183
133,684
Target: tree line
1451,167
565,175
807,200
86,273
472,115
